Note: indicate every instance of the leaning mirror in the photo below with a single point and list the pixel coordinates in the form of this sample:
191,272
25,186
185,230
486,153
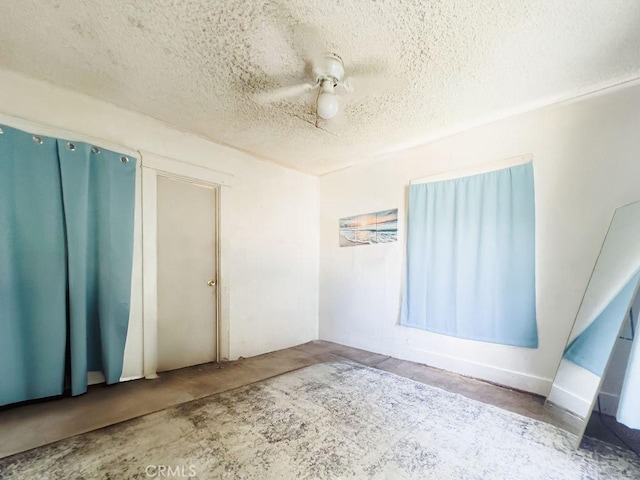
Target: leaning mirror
603,313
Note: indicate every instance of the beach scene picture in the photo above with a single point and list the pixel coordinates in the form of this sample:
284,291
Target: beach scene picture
378,227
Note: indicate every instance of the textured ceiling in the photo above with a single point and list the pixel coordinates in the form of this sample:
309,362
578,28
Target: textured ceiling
196,64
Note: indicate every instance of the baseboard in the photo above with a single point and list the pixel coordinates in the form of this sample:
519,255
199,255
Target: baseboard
502,376
95,378
364,342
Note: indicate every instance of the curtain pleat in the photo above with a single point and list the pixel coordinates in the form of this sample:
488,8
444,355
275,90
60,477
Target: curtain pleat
98,193
470,264
33,274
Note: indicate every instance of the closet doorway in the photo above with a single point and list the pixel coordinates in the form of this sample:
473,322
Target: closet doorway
187,232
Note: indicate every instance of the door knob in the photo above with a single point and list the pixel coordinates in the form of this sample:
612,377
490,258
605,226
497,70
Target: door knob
211,283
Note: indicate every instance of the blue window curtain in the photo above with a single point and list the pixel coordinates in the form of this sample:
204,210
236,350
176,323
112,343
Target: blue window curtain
66,254
470,262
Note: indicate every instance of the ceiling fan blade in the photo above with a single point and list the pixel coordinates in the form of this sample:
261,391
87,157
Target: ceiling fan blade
366,84
369,67
370,84
278,94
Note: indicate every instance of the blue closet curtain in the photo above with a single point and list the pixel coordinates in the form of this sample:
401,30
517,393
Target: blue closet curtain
592,348
33,271
66,254
470,268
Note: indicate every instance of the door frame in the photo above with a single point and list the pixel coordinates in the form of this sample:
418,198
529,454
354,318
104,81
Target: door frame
153,166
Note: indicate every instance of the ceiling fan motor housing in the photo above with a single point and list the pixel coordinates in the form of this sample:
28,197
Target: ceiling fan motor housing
329,67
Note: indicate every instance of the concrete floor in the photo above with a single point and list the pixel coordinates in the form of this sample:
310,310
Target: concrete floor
28,426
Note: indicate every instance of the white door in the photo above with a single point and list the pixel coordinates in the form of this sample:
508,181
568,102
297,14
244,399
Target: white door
186,274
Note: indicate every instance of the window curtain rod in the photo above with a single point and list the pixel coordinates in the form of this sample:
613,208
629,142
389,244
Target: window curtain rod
475,170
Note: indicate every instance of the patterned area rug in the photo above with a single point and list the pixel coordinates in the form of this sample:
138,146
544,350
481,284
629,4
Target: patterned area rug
331,420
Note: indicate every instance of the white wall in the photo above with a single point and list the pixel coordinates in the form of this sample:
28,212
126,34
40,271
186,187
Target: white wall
271,215
586,158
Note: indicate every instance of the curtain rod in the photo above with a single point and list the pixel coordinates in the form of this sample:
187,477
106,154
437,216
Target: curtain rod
56,132
483,168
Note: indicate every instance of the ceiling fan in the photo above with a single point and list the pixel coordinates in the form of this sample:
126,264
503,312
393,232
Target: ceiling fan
328,77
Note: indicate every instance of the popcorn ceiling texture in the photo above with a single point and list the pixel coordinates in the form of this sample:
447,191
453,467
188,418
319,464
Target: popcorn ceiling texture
196,64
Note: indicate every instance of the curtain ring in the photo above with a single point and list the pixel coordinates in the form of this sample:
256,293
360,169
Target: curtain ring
124,159
71,146
37,139
95,150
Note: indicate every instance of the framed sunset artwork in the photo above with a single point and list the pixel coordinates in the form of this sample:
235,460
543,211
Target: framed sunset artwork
369,228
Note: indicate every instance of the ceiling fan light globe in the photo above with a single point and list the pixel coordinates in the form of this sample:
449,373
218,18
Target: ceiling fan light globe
327,106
